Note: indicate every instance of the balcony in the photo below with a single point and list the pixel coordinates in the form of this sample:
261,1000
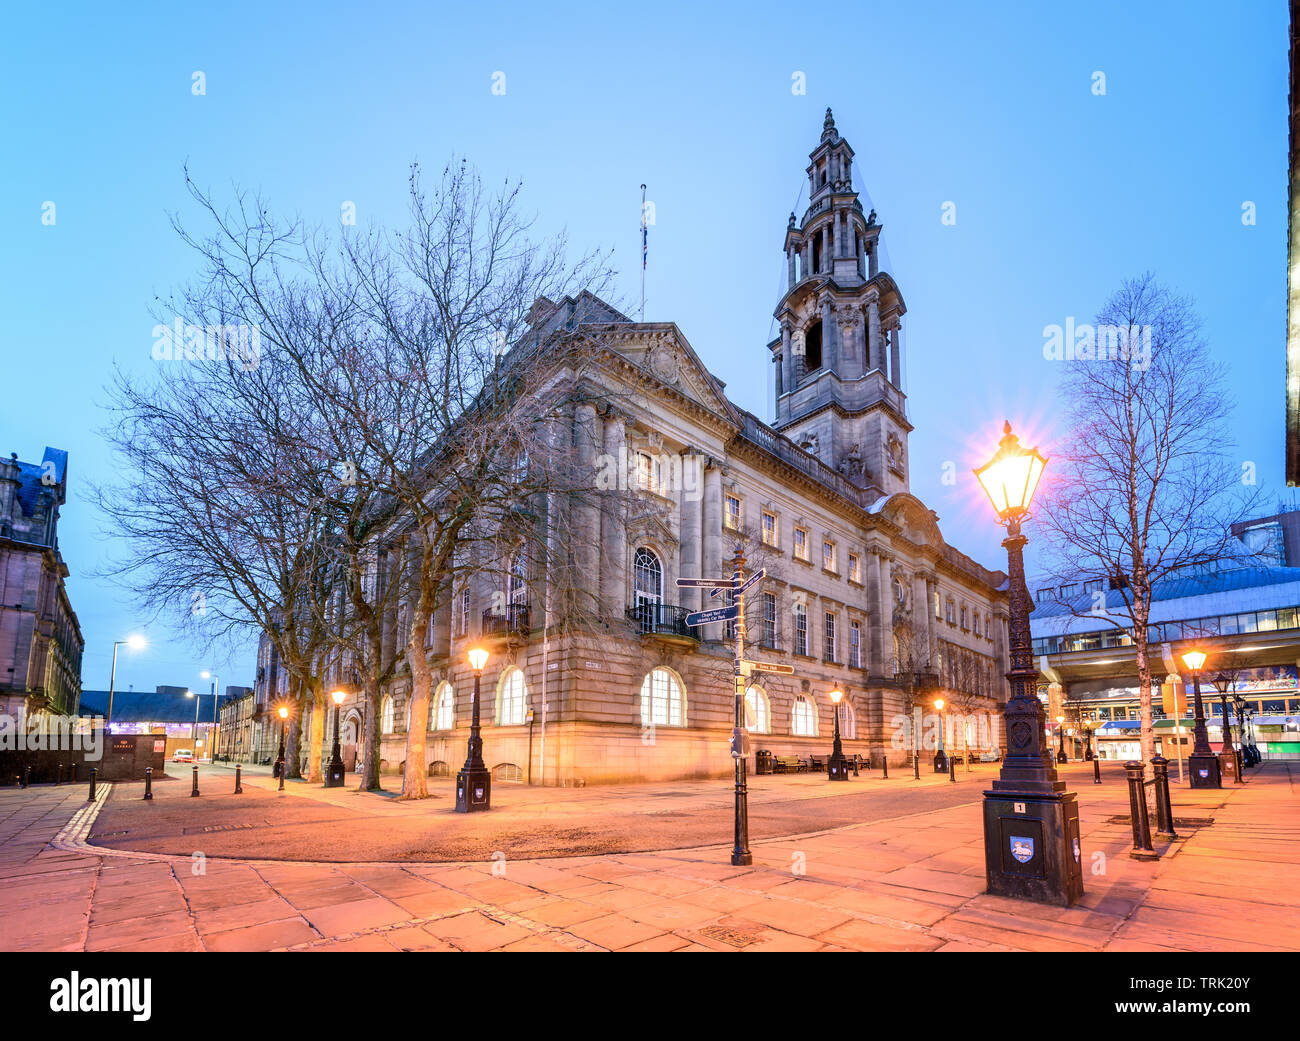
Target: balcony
665,621
512,620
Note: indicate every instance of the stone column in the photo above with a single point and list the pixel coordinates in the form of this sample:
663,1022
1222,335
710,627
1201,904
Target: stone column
711,539
877,354
613,537
558,536
586,520
787,359
879,650
874,259
690,506
789,256
830,354
896,355
921,610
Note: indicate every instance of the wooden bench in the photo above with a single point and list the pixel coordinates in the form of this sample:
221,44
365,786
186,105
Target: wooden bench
788,764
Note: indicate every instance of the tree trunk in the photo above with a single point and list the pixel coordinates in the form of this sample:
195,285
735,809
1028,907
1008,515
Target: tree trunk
316,742
370,767
415,783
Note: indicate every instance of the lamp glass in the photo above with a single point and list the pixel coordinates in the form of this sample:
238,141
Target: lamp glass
836,695
338,696
478,658
1011,476
938,704
1194,660
135,642
284,712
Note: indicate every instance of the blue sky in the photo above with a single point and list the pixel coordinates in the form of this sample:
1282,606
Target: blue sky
1059,193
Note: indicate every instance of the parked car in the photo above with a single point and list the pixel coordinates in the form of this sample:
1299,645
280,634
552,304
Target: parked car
183,755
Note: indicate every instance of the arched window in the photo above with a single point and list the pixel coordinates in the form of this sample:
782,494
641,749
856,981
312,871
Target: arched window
648,577
848,720
662,703
812,347
512,698
758,711
386,720
444,716
804,721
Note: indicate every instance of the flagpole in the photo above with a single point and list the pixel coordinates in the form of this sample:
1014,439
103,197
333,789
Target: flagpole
645,235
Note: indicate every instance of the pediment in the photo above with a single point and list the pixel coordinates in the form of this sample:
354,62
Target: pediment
664,356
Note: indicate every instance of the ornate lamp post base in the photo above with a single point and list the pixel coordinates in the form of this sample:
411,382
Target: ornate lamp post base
473,790
1031,823
1205,770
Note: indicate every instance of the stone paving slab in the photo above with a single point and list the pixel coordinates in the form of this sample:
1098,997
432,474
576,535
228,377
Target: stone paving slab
897,884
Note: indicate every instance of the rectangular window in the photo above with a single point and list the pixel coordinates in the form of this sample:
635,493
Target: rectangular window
769,529
800,629
733,513
952,613
769,620
828,556
649,471
855,568
855,644
464,612
830,636
801,543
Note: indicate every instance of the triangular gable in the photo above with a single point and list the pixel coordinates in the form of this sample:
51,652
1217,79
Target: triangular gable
660,351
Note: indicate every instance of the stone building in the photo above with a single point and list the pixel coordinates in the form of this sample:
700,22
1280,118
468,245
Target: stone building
862,591
40,639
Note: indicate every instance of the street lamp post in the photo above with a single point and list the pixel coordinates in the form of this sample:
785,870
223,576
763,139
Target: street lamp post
194,730
474,782
1240,704
1088,755
1031,823
1203,763
335,774
1061,757
283,712
940,758
135,643
216,686
836,767
1223,684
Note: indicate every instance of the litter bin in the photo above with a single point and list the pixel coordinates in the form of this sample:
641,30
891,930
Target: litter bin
763,761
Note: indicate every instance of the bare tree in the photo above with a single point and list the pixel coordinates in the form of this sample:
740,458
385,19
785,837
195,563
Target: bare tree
1143,486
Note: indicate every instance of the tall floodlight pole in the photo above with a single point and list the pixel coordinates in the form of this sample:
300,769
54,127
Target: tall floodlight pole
1031,823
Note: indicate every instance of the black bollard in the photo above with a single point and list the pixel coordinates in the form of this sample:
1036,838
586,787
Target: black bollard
58,774
148,782
916,765
1164,808
239,788
884,766
27,776
195,789
952,769
1137,805
74,773
94,772
1096,770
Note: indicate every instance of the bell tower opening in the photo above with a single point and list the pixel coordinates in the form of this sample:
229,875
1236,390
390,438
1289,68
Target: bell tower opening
812,348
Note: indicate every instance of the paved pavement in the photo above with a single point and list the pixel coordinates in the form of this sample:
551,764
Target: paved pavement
906,882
